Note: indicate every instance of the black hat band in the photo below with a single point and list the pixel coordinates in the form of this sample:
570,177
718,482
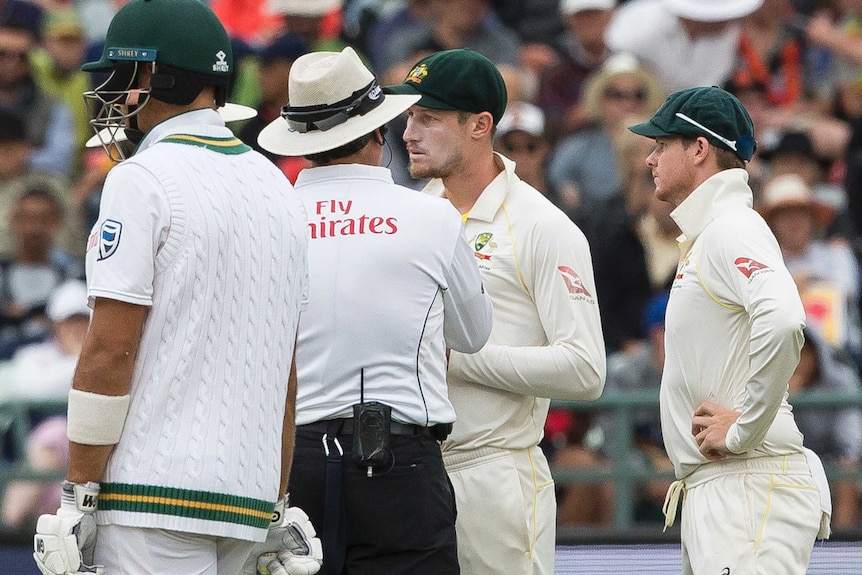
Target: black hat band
326,116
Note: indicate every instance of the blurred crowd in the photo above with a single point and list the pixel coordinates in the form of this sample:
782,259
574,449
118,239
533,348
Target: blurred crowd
577,72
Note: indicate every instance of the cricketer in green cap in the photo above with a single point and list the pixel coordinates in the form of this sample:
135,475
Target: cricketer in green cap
710,112
459,79
183,45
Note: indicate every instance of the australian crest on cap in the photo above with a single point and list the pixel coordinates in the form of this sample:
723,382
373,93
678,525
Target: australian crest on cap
417,74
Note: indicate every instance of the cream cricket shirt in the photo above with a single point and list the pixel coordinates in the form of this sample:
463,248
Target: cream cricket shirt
733,326
547,337
392,283
211,237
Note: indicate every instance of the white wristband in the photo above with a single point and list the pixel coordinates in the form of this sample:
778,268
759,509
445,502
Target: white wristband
96,419
278,512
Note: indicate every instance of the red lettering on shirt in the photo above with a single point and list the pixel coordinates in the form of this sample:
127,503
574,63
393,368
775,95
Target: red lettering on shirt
363,225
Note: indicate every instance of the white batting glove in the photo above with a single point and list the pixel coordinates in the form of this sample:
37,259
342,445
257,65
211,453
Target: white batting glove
291,546
64,542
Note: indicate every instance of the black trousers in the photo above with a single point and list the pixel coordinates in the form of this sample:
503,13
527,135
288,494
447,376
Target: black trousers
400,521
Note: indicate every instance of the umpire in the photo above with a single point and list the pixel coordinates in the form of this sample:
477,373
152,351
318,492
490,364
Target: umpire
393,284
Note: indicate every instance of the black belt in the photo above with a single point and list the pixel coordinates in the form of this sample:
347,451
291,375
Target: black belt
438,432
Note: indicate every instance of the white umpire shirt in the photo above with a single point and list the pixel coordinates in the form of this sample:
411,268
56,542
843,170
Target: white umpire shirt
391,277
733,326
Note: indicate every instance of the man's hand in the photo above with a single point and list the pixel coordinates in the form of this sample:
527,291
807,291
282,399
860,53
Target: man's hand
291,547
64,542
709,427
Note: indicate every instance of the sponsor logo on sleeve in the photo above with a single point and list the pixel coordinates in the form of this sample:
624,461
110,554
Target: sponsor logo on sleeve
749,267
109,238
574,284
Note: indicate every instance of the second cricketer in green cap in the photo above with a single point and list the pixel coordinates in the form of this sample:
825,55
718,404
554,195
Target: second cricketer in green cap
459,79
710,112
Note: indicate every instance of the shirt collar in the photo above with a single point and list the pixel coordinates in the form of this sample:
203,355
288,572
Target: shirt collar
489,201
725,189
203,122
310,176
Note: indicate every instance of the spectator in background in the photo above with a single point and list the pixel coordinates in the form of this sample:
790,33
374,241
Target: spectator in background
791,151
452,24
49,125
31,273
584,167
582,50
57,68
827,135
619,254
521,138
835,434
640,368
540,28
44,371
579,503
16,177
687,42
659,235
384,23
21,13
837,31
316,22
275,61
771,52
825,271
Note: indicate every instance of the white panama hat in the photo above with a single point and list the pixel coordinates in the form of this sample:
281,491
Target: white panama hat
229,113
712,10
334,99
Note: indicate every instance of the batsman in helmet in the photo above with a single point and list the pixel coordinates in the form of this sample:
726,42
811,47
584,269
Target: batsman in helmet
181,412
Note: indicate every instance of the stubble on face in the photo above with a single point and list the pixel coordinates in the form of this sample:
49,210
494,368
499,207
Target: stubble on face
442,169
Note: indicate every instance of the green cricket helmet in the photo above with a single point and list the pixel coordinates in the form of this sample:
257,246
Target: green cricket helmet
182,41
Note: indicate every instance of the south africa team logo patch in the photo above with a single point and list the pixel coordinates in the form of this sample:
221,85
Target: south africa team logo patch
109,238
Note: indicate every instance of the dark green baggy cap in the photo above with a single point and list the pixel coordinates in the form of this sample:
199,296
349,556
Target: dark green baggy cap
459,79
711,112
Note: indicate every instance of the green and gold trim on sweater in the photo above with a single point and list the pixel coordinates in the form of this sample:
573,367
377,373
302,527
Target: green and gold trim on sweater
228,145
204,505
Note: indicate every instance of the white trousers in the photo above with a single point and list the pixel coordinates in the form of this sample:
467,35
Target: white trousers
506,511
750,517
138,551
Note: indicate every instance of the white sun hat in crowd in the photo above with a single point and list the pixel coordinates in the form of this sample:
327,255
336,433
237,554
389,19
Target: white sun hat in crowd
522,116
334,99
569,7
229,113
67,300
310,8
712,10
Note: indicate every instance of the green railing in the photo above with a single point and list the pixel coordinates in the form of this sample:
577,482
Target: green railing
622,406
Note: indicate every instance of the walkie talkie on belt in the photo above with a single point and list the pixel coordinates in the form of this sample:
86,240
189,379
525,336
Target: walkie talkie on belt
371,427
